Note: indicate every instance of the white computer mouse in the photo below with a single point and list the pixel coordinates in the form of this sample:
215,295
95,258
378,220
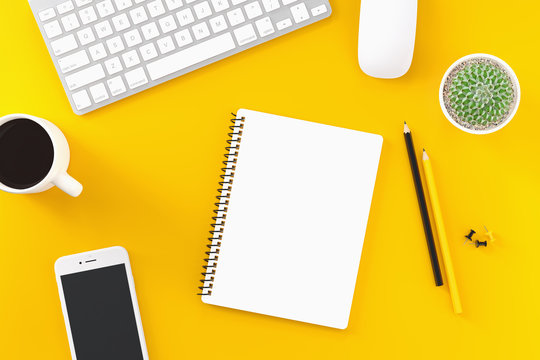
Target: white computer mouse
386,37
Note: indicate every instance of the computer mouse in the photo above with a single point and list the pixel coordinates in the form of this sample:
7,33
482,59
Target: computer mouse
386,37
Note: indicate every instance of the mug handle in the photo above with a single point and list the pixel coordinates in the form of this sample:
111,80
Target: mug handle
68,184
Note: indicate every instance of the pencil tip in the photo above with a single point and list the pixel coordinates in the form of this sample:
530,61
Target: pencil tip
425,155
406,128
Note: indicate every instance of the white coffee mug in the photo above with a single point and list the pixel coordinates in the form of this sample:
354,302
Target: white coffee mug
57,174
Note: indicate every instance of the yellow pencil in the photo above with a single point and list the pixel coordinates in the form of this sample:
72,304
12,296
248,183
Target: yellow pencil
443,242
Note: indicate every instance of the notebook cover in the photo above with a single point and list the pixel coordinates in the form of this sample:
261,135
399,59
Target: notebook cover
296,219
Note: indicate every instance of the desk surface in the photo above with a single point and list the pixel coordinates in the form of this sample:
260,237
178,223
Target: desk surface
150,166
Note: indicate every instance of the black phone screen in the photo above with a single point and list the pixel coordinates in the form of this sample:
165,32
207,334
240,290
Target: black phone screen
101,314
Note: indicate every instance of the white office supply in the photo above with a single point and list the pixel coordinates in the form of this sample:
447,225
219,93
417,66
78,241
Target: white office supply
291,219
153,41
386,37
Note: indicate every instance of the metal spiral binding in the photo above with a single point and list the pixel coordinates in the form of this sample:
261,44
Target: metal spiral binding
222,205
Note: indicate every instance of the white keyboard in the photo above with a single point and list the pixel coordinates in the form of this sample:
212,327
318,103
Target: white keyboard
106,50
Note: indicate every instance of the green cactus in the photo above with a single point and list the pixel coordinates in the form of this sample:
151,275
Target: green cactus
481,94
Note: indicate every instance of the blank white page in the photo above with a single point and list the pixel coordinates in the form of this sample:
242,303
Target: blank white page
296,221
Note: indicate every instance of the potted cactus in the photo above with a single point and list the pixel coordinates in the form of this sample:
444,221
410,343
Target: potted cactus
479,94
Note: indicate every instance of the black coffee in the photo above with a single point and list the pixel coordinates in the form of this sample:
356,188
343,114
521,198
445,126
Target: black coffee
26,153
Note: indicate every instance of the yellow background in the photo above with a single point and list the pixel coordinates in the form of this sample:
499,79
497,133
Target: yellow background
150,166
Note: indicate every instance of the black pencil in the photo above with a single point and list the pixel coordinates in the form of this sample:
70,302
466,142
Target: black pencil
423,207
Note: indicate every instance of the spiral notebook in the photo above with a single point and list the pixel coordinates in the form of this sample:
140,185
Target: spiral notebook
290,219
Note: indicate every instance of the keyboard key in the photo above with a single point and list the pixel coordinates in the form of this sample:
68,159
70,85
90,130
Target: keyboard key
148,51
123,4
236,17
265,27
65,7
236,2
97,52
115,45
81,100
167,24
133,38
270,5
150,31
120,22
245,34
299,13
99,93
74,61
88,15
113,65
82,2
131,59
190,56
202,10
86,36
105,8
116,86
47,14
70,22
138,15
253,10
52,29
200,31
136,78
166,45
173,4
218,24
220,5
85,77
64,45
103,29
183,38
319,10
288,2
156,8
185,17
283,24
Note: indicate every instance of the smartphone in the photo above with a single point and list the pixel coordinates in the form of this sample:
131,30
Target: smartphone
100,308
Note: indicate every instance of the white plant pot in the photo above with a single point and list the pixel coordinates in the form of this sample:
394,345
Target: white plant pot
513,78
